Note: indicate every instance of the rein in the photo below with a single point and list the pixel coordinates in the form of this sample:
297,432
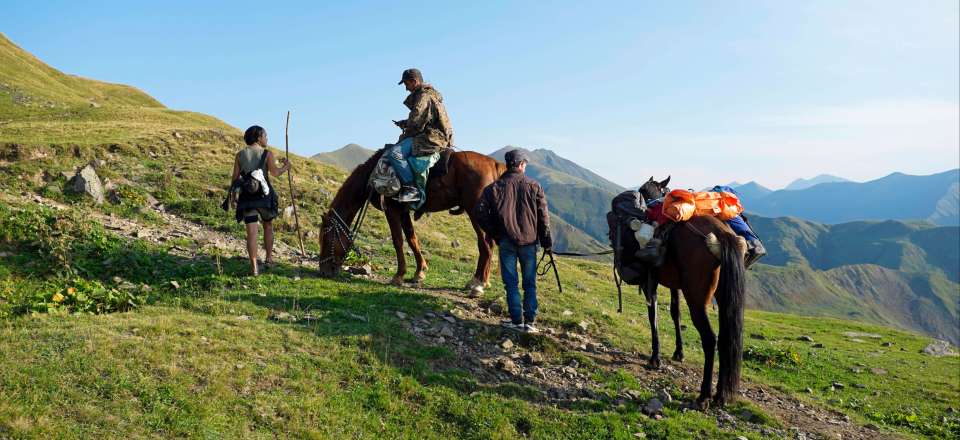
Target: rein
342,230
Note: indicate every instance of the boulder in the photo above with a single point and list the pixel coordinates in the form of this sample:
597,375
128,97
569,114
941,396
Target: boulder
86,181
533,358
939,348
653,407
364,270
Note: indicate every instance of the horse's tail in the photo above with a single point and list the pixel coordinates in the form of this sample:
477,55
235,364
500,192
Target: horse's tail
730,297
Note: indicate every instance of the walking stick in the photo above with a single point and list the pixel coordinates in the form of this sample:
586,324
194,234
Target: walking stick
293,200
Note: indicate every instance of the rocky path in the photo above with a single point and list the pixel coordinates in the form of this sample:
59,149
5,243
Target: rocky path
173,227
471,330
497,356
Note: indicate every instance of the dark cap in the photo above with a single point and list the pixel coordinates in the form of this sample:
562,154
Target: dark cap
412,74
515,157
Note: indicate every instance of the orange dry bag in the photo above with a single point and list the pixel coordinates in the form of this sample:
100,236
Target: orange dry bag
730,206
679,205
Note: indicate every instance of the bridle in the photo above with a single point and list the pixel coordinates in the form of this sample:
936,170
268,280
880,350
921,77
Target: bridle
341,233
346,235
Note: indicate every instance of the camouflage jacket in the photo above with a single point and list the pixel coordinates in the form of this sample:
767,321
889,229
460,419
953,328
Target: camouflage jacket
427,123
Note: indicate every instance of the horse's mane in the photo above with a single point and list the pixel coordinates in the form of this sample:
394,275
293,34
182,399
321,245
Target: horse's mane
354,189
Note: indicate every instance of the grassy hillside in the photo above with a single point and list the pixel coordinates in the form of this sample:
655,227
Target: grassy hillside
889,272
39,104
111,332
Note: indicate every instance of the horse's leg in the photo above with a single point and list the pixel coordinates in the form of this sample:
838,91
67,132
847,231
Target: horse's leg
414,243
488,239
482,274
396,234
698,314
675,314
650,292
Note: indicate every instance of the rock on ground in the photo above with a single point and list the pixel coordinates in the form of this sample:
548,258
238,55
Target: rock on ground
939,348
86,181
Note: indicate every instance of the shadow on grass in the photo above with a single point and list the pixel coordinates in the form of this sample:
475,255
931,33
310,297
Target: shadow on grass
339,308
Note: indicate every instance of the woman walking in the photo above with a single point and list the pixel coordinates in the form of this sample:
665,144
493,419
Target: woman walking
257,200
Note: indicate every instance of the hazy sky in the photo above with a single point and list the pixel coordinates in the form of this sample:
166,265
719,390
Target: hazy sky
706,91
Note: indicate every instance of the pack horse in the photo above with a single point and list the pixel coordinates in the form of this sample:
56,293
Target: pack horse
704,259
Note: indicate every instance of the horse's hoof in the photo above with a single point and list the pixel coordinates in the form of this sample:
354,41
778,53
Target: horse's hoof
654,363
702,404
677,356
486,284
397,281
720,401
476,292
419,277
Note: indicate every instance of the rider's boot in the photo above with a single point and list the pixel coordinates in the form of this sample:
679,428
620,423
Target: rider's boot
408,194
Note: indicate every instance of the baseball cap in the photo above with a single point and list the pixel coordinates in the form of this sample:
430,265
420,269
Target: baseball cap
411,74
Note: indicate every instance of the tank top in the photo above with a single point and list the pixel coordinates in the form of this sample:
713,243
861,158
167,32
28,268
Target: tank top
249,158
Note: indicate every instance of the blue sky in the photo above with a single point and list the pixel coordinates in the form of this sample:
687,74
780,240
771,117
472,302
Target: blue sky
706,91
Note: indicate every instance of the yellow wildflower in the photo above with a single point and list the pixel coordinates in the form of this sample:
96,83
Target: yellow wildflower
58,298
71,291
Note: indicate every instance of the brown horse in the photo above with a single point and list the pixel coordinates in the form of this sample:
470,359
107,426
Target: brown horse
692,267
457,191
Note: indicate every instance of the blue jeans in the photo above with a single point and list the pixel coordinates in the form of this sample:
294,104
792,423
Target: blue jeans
741,228
509,254
397,155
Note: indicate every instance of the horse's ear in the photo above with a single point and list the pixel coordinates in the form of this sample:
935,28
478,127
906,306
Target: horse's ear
665,182
651,179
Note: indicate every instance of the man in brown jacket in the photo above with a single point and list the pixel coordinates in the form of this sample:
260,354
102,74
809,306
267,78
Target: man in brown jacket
514,211
426,132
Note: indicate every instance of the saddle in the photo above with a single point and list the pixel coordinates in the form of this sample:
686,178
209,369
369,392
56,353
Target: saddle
440,168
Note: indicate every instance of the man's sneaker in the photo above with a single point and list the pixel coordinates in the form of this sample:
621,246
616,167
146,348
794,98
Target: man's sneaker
509,325
408,194
755,252
529,328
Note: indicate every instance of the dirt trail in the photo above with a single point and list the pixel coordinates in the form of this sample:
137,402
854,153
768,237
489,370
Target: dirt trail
174,227
471,330
490,362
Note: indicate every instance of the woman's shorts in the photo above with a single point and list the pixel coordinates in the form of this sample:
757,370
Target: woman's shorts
259,214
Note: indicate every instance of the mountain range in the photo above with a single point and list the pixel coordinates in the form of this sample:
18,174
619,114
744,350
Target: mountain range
933,198
802,183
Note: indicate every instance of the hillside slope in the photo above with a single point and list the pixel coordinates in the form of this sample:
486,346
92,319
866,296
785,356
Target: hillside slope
890,272
346,158
39,104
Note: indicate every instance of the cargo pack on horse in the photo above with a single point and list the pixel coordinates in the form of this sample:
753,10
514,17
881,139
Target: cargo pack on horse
703,257
464,176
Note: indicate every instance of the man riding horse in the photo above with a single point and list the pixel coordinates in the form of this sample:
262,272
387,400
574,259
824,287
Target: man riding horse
426,132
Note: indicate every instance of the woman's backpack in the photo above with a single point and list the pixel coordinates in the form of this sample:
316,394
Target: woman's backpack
249,184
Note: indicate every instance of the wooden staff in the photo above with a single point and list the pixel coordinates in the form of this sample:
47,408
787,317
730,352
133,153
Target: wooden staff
293,200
